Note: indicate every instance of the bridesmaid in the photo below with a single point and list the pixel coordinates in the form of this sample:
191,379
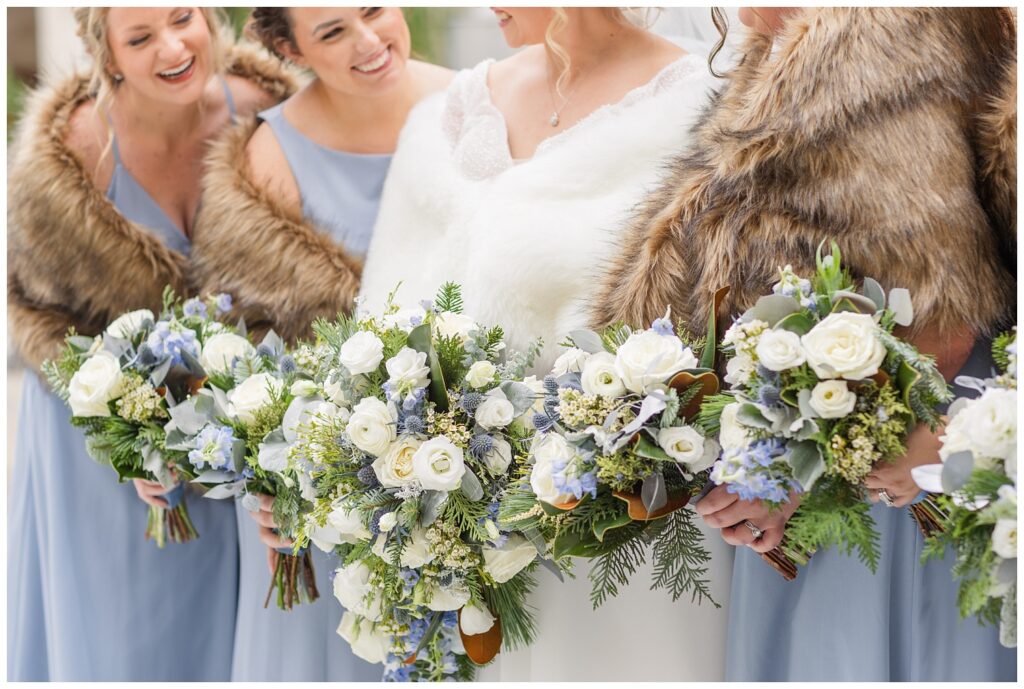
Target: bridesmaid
292,199
893,132
103,191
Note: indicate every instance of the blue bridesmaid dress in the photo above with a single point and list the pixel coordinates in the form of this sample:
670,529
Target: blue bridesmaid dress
839,622
88,598
341,194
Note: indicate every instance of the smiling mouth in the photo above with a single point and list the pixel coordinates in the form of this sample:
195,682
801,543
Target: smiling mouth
376,64
180,72
502,16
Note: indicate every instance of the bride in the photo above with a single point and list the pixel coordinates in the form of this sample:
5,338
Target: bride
514,184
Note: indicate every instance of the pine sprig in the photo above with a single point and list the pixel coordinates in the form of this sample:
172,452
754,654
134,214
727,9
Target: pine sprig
510,603
624,553
680,560
449,298
836,520
465,514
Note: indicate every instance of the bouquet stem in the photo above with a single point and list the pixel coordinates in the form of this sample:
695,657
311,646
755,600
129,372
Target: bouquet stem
294,580
928,515
171,524
786,558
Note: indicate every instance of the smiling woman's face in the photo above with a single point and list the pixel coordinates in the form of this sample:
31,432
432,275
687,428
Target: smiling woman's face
361,51
164,53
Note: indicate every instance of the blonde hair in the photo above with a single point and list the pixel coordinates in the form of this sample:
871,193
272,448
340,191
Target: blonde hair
94,32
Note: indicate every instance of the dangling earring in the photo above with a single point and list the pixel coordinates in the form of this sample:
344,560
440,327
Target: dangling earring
118,78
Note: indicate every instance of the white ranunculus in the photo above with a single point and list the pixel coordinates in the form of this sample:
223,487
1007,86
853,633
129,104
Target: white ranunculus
548,449
457,325
371,426
442,599
353,590
495,411
408,369
570,361
335,393
475,620
599,376
1004,538
323,537
844,345
95,385
364,639
507,561
416,549
687,446
986,426
732,434
439,464
500,456
254,393
739,369
126,325
394,467
780,350
648,359
481,374
220,351
832,399
361,353
304,388
347,523
404,319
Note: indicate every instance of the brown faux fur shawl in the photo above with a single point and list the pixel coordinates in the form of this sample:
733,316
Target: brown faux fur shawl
282,271
72,258
892,131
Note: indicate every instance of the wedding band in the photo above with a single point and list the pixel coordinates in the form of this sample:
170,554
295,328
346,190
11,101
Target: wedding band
886,498
754,530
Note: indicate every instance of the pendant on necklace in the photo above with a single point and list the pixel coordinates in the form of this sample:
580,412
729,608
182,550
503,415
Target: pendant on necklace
554,120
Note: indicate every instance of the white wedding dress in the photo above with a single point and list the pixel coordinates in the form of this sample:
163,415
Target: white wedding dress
528,241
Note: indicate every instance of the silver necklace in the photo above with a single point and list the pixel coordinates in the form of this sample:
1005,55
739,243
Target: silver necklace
556,113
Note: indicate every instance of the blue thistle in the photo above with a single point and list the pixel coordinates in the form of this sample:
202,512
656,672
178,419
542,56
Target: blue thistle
480,445
769,395
550,384
287,364
265,350
367,477
413,425
147,357
470,401
551,406
543,422
375,521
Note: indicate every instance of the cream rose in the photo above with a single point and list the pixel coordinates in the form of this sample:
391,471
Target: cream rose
599,376
98,382
481,374
254,393
548,449
408,370
475,619
732,434
832,399
780,350
347,523
361,353
844,345
687,446
394,468
507,561
353,590
126,325
648,359
371,426
439,464
220,352
364,639
570,361
495,411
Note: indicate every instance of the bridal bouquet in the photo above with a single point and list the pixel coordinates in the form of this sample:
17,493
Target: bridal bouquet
236,433
821,391
978,480
408,480
123,385
617,457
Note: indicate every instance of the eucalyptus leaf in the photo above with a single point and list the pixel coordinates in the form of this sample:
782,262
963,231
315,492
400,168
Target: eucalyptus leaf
844,300
81,342
520,395
241,327
238,455
653,493
156,378
428,636
807,463
551,567
587,340
176,440
958,405
804,404
874,292
115,345
956,470
154,462
471,487
187,418
224,490
771,309
902,307
430,506
1006,571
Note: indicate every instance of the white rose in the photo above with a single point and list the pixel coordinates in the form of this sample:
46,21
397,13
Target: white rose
507,561
95,384
126,325
408,369
387,522
844,345
352,589
221,350
304,388
361,353
455,325
495,411
832,399
481,374
600,377
732,434
394,467
254,393
570,361
546,450
475,620
364,639
335,393
648,359
443,599
347,523
416,549
687,446
500,456
993,427
439,464
780,350
1004,538
739,369
323,537
371,426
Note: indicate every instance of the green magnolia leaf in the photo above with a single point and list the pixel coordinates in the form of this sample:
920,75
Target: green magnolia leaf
602,526
569,543
645,448
906,378
799,323
420,340
807,462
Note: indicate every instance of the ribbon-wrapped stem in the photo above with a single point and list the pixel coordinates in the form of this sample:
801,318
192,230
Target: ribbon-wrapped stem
294,580
171,523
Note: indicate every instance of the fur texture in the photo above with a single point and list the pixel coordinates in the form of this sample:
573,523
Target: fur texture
282,271
866,126
72,258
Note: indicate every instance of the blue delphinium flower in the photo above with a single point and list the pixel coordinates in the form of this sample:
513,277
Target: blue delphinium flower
410,577
574,476
222,302
213,447
756,472
194,308
168,343
663,326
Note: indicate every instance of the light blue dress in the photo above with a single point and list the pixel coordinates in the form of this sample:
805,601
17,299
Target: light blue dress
88,598
839,622
340,194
